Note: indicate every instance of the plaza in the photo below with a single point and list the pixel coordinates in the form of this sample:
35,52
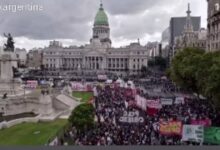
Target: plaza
65,91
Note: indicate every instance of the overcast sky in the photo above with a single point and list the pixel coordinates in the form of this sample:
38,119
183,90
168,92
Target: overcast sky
71,20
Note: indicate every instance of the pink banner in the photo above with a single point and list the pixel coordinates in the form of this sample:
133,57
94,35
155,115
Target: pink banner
141,102
31,84
77,86
205,122
89,87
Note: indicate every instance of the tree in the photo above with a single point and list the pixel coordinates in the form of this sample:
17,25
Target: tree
161,62
158,62
198,72
184,68
82,117
209,77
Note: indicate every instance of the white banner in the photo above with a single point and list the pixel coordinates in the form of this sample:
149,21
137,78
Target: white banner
154,104
193,133
166,101
77,86
180,100
102,77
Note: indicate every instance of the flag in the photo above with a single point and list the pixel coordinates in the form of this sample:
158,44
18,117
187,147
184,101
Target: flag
193,133
204,122
212,135
171,128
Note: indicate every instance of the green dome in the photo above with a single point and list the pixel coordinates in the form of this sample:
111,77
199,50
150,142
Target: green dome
101,17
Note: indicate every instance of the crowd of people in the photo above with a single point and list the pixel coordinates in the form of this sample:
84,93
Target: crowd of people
110,104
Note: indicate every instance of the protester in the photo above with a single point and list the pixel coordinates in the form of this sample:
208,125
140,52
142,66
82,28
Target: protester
112,103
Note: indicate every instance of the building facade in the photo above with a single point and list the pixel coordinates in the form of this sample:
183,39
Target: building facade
190,37
213,27
177,25
99,55
35,58
165,38
154,49
21,55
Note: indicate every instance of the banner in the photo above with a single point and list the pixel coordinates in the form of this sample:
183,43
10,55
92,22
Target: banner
89,87
141,102
194,133
131,117
166,101
205,122
179,100
31,84
102,77
134,91
212,135
154,104
171,128
157,90
95,92
78,86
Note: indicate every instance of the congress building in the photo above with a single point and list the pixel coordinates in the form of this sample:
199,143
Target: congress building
98,56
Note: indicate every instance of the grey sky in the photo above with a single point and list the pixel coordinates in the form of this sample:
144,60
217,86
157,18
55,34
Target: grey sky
71,20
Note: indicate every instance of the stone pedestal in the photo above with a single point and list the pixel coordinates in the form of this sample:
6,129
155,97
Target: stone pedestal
46,106
8,84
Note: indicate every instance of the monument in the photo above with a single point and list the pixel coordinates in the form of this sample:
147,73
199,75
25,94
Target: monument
9,85
13,99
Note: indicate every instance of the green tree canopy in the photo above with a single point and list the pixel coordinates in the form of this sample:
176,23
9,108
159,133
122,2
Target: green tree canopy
210,80
82,116
184,67
158,62
198,72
